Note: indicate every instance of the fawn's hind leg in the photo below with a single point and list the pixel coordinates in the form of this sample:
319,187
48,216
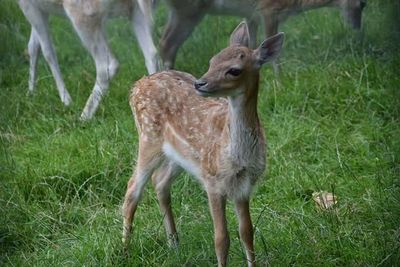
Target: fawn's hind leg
149,159
162,180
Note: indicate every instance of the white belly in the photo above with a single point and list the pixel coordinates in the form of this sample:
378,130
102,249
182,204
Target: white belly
186,164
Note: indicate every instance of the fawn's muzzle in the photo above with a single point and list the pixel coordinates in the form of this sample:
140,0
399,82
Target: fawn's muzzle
199,84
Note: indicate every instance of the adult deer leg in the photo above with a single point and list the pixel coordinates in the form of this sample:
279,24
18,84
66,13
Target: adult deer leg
90,30
253,26
39,22
271,24
178,29
33,50
142,26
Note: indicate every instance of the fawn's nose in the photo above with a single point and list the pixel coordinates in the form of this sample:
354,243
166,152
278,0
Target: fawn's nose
199,83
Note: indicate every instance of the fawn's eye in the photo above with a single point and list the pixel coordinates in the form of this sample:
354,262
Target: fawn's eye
234,72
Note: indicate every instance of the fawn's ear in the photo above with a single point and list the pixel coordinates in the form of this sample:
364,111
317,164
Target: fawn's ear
269,49
240,36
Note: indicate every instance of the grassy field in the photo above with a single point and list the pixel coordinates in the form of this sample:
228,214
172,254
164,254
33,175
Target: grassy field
332,123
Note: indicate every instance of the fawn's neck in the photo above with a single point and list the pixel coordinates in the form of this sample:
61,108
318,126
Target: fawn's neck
243,123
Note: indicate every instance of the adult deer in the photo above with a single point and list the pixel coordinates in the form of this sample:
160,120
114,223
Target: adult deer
88,18
185,15
208,127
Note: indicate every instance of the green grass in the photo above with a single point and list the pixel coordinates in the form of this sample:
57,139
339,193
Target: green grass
332,123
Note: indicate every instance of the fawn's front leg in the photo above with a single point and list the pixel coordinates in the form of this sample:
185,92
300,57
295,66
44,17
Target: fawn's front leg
246,229
221,236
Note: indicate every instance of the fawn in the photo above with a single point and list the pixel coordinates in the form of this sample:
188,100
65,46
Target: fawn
208,127
88,18
185,15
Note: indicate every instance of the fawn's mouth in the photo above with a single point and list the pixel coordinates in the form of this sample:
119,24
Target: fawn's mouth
218,92
202,92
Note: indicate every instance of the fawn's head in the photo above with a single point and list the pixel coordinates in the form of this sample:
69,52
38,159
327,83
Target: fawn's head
352,11
237,65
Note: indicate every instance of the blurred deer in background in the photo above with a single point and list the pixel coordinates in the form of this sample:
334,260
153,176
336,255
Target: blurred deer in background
88,18
208,127
185,15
